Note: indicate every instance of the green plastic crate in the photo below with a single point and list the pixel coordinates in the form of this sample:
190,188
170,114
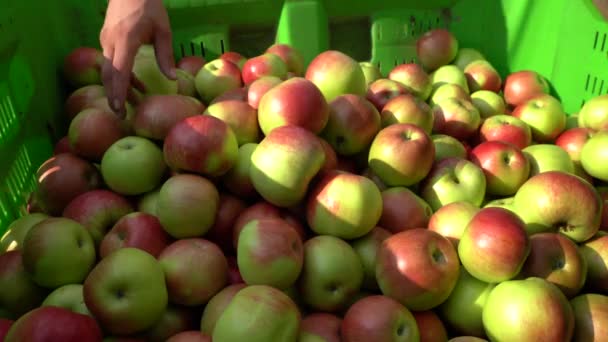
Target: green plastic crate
565,40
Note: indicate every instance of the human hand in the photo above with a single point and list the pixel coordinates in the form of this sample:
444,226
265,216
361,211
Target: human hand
602,6
129,24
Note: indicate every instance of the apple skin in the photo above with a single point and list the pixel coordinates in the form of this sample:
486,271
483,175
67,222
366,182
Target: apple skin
290,55
452,180
370,71
137,229
266,64
572,141
320,327
327,286
593,114
20,293
147,70
436,48
54,324
527,300
286,145
189,336
407,108
452,219
187,205
185,83
297,102
463,309
548,157
559,201
335,74
258,88
505,166
558,260
69,297
93,131
63,146
430,327
594,156
216,306
595,253
447,146
488,103
238,180
545,116
126,291
521,86
240,117
82,98
481,75
381,91
378,318
191,64
457,118
401,154
446,91
157,114
367,247
449,74
413,77
417,267
494,245
465,56
60,179
402,209
17,229
58,251
590,317
235,58
239,94
506,128
229,209
5,325
343,205
216,78
82,66
275,318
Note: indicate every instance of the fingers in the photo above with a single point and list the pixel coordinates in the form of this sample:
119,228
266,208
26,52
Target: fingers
107,72
163,47
124,54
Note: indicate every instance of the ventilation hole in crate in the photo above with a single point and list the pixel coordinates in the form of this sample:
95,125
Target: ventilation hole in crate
601,91
379,64
594,84
222,45
192,49
202,49
597,34
582,102
604,42
587,82
183,50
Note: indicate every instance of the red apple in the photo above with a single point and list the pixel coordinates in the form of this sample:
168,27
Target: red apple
381,91
331,158
457,118
505,166
239,94
436,48
5,325
291,56
407,109
572,141
413,77
191,64
402,209
216,78
82,98
603,191
523,85
82,66
157,114
481,75
452,219
320,326
230,207
234,57
430,326
258,88
240,116
139,230
336,73
190,336
20,293
266,64
63,146
506,128
93,131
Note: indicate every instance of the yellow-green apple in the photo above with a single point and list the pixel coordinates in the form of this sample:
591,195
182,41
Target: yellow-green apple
481,75
336,73
558,260
258,88
175,319
446,91
488,103
5,325
548,157
449,74
452,219
401,154
344,205
61,178
286,145
20,293
191,64
229,209
266,64
186,85
407,108
190,336
215,78
590,317
195,270
505,202
447,146
201,144
82,66
594,156
559,201
157,114
463,309
147,202
296,102
237,179
467,55
216,306
494,245
521,86
82,98
430,326
452,180
126,291
16,230
402,209
234,57
133,166
417,267
595,253
378,318
264,314
187,205
352,124
137,229
413,77
370,71
98,211
505,166
290,55
506,128
69,296
240,116
572,141
593,114
513,305
367,247
320,327
58,251
435,48
270,252
239,94
457,118
545,115
146,69
382,91
51,324
63,146
328,286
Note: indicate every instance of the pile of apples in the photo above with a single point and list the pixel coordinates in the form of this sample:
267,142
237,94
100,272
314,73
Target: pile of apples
260,199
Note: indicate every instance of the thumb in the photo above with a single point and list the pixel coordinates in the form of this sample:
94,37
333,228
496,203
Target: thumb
163,48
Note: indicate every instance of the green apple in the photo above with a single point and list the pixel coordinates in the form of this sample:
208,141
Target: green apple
488,103
449,74
367,247
240,116
370,71
146,69
594,156
148,202
465,56
452,219
545,115
505,203
594,113
590,317
447,146
20,293
68,296
572,121
548,157
16,231
133,166
216,306
335,74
